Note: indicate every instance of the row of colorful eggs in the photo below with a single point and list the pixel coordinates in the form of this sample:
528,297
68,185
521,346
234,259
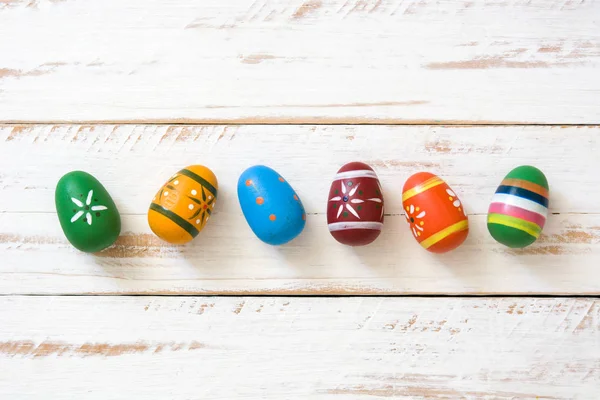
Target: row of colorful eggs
274,212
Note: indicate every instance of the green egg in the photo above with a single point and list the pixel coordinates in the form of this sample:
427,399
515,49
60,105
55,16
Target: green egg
519,207
88,215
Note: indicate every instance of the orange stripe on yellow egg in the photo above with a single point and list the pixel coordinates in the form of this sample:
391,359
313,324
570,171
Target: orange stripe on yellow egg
428,184
444,233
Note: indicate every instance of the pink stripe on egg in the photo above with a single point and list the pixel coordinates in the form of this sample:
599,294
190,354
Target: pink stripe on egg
518,212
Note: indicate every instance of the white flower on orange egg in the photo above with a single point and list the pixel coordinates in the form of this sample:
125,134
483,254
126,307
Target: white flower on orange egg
455,201
414,216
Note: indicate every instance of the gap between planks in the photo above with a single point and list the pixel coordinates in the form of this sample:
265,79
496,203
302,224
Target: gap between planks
319,296
296,122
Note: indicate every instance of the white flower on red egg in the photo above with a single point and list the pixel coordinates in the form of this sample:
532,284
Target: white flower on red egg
348,200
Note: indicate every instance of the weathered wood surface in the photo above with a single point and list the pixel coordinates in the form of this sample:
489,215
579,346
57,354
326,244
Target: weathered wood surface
228,259
350,61
265,62
299,348
133,161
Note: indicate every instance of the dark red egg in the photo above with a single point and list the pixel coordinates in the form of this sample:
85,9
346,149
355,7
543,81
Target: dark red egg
355,205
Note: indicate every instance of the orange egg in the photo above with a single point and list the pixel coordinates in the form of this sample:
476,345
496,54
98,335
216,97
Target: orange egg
183,205
436,216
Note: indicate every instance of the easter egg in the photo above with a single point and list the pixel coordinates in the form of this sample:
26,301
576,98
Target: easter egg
183,205
355,205
87,214
436,216
519,208
270,205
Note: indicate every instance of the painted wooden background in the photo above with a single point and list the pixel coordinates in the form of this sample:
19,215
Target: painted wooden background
133,90
133,161
276,348
249,61
294,348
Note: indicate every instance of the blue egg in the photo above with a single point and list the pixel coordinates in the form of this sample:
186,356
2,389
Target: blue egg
271,206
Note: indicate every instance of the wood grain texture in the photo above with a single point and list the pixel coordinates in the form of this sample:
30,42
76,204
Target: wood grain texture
133,162
228,259
299,348
299,61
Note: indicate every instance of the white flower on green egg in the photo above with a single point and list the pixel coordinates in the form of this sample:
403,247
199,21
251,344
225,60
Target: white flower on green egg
84,209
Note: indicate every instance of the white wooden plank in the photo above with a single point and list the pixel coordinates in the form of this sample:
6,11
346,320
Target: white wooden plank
133,161
228,259
291,348
379,61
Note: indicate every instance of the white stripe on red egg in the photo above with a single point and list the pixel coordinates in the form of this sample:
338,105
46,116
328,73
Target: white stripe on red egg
342,226
363,173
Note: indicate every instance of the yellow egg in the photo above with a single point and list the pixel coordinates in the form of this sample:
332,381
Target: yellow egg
183,205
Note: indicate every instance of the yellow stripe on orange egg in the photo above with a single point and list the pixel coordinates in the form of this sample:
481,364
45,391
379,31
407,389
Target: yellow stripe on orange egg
423,187
444,233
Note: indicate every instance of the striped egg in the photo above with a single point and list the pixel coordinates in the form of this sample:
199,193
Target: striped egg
183,205
519,207
355,205
436,216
